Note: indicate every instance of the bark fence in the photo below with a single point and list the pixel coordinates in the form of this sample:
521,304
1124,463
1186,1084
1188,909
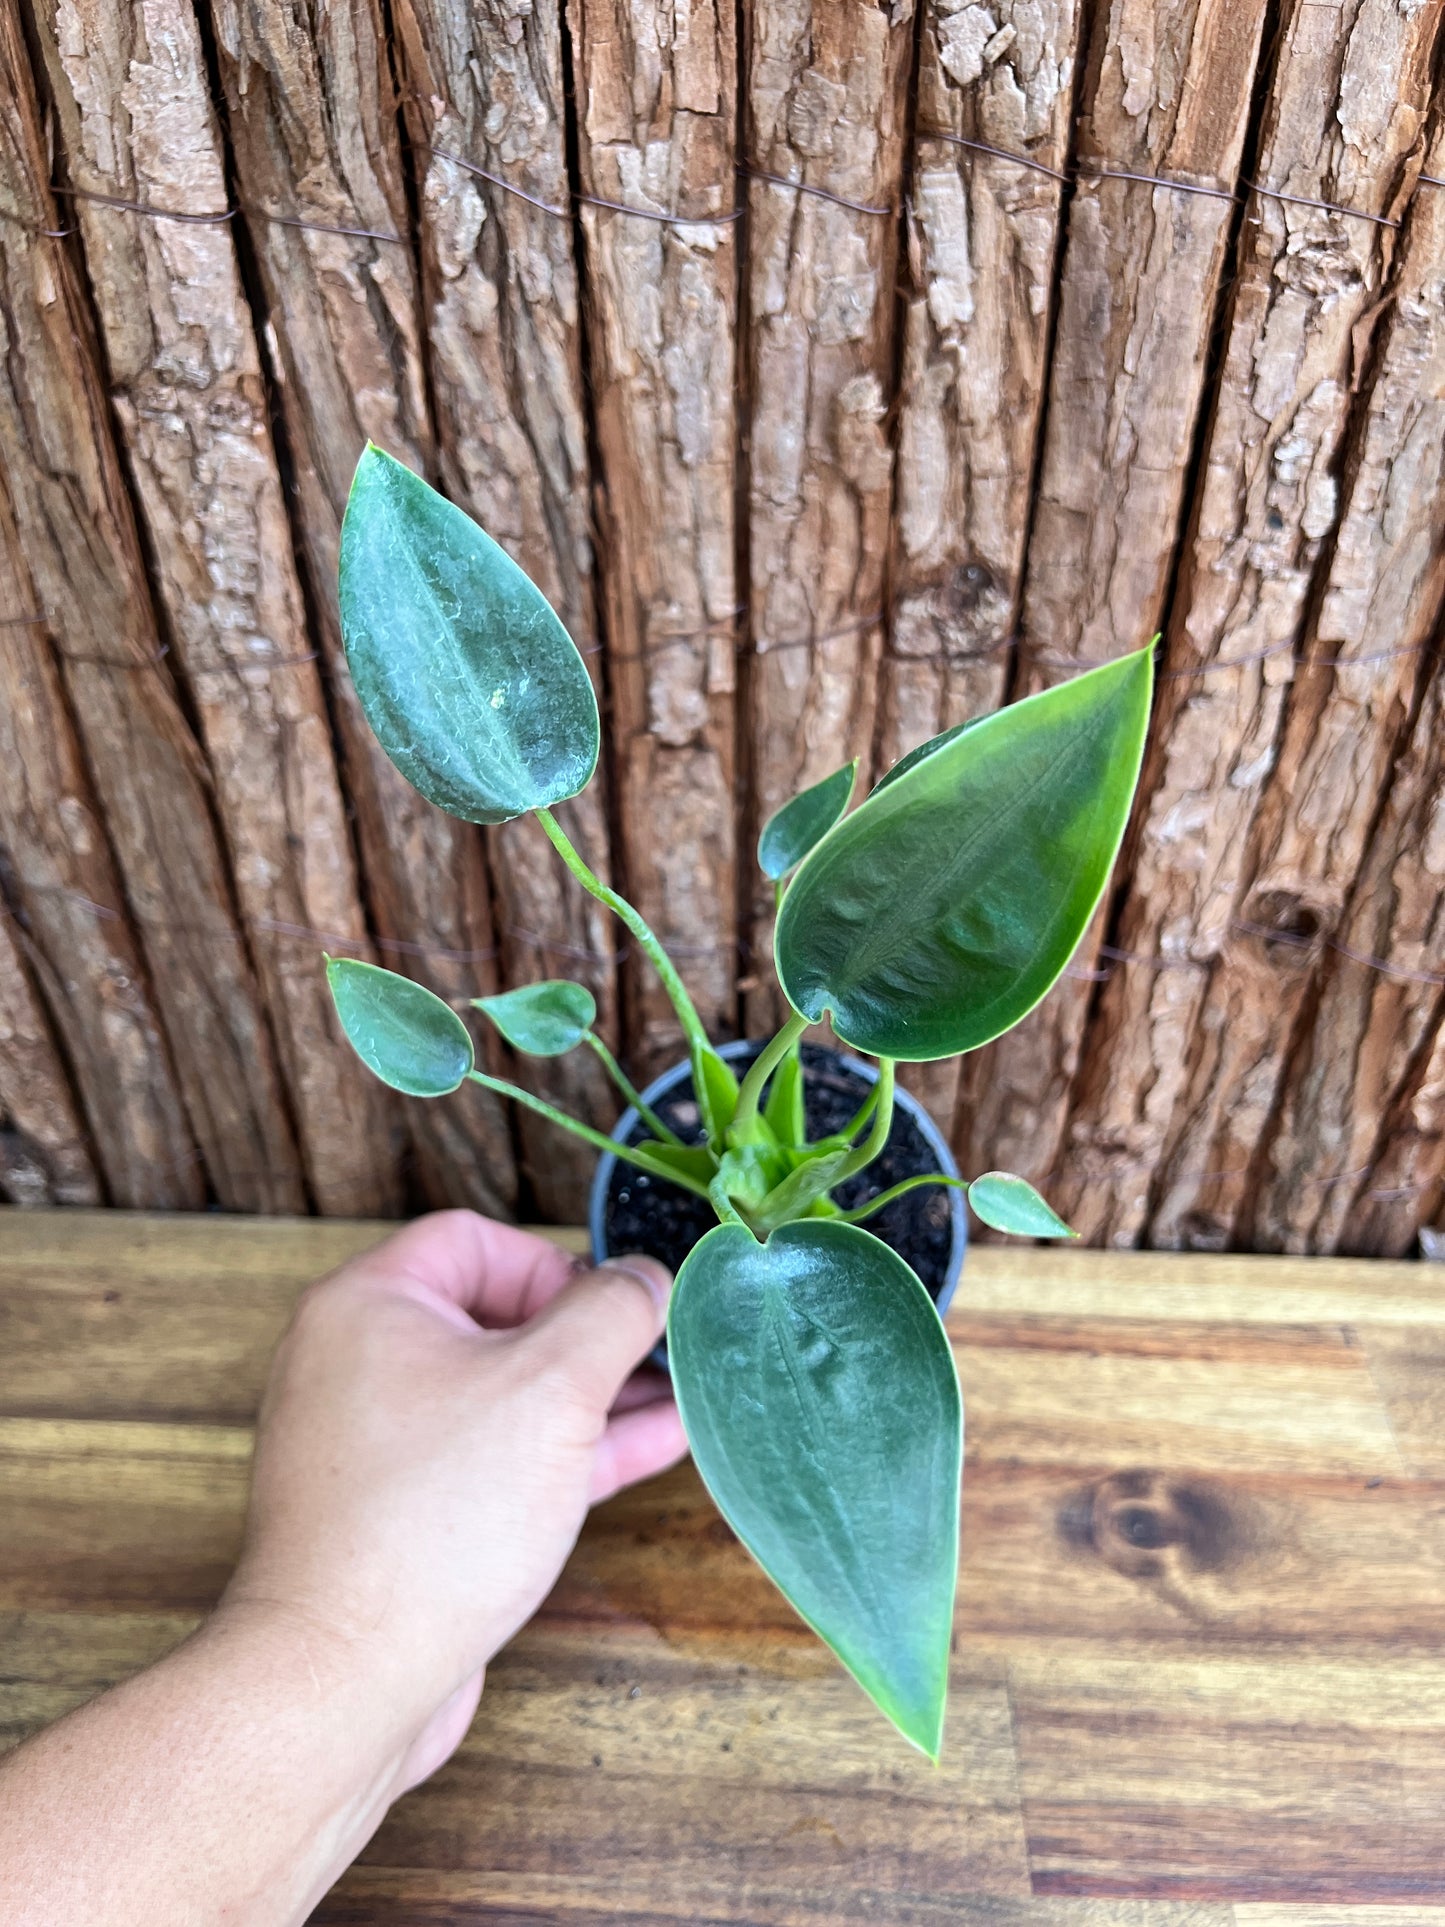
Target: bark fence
840,371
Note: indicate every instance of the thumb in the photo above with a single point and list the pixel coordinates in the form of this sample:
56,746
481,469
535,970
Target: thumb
602,1325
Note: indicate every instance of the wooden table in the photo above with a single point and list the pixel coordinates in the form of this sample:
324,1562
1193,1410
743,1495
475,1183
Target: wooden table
1199,1676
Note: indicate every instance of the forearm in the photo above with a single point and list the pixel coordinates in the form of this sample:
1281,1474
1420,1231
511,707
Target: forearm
232,1782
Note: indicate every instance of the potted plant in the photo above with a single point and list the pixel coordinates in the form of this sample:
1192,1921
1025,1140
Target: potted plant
811,1367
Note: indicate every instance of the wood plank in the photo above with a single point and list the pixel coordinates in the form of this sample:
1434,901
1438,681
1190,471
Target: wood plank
313,133
72,521
1231,1779
1166,92
656,130
1172,1039
1369,1028
136,122
826,110
982,242
484,88
44,1155
1199,1622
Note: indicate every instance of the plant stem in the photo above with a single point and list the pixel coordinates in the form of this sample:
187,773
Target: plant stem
630,1154
897,1191
861,1157
762,1068
634,1097
674,986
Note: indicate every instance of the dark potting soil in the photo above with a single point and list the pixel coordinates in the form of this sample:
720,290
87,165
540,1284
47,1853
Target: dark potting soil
649,1215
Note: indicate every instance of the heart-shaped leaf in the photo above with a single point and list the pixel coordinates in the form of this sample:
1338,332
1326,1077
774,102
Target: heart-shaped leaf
939,913
473,687
1011,1204
819,1395
399,1030
916,756
791,832
545,1019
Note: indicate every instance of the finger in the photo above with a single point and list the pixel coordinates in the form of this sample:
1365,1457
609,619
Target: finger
601,1325
636,1445
645,1387
496,1273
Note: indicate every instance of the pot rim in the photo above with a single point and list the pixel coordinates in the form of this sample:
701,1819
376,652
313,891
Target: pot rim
742,1047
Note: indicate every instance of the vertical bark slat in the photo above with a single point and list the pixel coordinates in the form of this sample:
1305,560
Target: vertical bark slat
1166,92
72,524
484,85
315,139
72,927
44,1156
656,110
1371,1027
826,92
1341,725
982,240
1266,507
1267,503
136,119
1406,1188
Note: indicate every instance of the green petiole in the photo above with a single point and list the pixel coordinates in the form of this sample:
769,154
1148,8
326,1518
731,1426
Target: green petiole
629,1153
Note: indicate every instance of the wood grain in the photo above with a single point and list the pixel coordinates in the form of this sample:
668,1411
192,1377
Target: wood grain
44,1156
1166,93
483,88
73,521
132,101
982,247
656,126
1176,1042
313,134
826,121
1196,1683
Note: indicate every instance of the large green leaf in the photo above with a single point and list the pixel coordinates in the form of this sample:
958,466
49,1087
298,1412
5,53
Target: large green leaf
473,687
916,755
820,1399
544,1020
940,912
791,832
399,1030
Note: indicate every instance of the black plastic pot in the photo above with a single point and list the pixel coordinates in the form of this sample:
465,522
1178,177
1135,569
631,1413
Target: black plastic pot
632,1211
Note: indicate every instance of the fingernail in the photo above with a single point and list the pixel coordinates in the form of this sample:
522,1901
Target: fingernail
647,1272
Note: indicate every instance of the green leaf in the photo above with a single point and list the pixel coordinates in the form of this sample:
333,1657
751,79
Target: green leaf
915,756
693,1161
803,1185
1011,1204
545,1019
819,1395
473,687
784,1112
791,832
718,1096
407,1036
942,910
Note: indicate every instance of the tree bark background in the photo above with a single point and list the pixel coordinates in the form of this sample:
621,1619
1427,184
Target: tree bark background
839,373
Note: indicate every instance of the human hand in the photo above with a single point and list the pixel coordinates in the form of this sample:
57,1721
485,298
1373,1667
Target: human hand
440,1415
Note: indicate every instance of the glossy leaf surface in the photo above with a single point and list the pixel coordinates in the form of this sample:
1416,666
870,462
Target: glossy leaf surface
784,1112
942,910
401,1031
818,1391
471,684
718,1095
916,756
1011,1204
791,832
545,1019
